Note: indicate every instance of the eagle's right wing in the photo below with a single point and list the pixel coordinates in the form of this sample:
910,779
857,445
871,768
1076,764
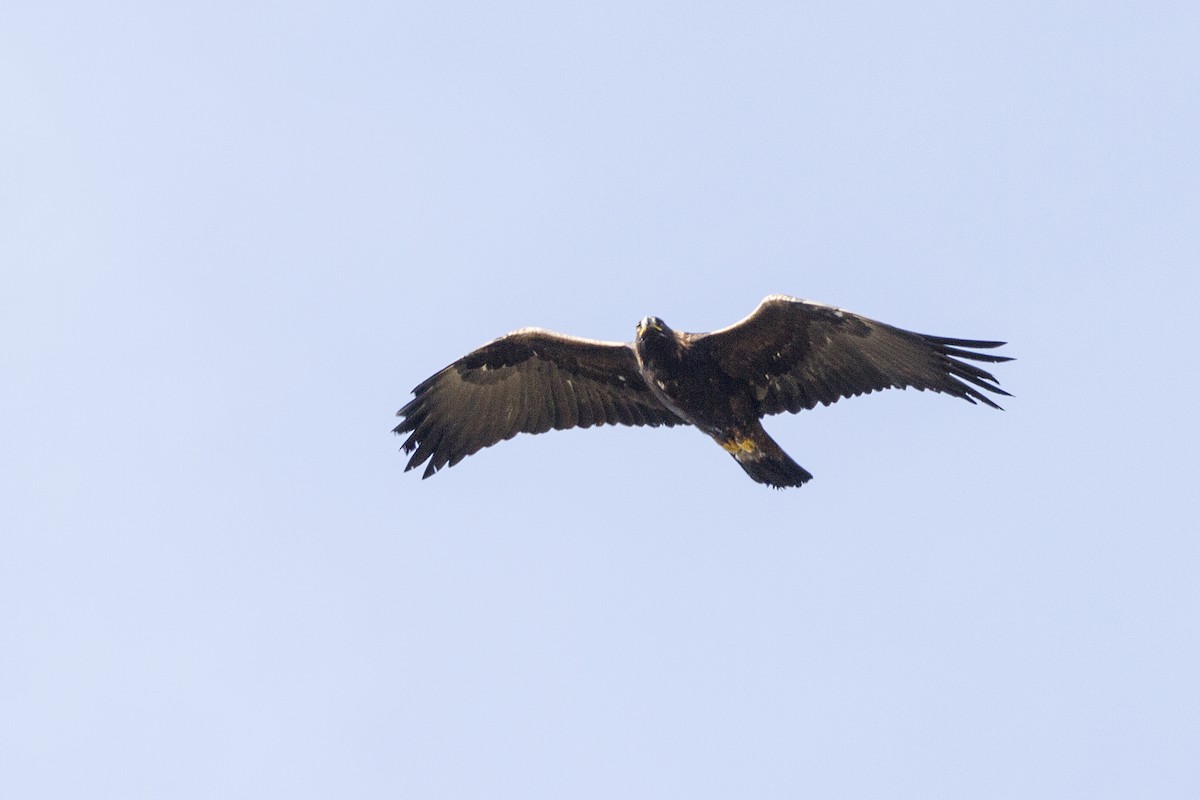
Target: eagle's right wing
526,382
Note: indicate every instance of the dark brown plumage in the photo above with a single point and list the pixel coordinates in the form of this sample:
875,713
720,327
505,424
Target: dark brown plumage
788,355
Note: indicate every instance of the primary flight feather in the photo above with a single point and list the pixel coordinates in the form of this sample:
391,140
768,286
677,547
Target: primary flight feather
788,355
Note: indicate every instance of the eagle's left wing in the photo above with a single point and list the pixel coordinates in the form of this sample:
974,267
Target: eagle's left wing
797,353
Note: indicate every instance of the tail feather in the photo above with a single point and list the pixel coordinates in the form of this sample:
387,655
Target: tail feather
764,461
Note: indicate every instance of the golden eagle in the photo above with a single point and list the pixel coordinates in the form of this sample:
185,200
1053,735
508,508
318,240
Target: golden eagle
788,355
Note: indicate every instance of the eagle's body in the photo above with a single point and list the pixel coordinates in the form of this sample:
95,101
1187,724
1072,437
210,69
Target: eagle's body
683,374
788,355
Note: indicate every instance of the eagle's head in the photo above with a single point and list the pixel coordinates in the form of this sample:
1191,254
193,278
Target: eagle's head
656,343
651,326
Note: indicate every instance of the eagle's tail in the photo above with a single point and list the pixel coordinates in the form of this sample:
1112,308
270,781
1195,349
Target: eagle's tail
764,460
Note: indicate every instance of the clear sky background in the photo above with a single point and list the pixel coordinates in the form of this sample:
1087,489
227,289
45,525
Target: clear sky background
235,235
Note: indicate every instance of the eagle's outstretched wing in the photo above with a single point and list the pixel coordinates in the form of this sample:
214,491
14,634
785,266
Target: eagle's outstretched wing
526,382
797,353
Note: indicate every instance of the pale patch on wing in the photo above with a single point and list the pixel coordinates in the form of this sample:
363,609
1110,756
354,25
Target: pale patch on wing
779,298
563,336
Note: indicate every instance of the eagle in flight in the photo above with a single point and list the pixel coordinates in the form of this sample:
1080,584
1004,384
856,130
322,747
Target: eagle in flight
788,355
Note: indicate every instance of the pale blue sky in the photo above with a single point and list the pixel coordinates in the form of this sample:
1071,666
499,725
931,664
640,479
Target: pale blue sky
234,236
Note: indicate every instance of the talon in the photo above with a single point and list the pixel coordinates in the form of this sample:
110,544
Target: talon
736,446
